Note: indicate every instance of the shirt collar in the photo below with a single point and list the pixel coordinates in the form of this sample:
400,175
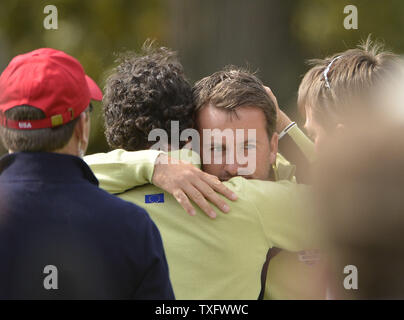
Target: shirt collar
44,166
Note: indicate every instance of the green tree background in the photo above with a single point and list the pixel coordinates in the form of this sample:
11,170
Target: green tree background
272,37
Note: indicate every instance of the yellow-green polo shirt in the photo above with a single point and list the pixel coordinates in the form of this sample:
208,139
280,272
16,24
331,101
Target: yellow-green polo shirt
220,258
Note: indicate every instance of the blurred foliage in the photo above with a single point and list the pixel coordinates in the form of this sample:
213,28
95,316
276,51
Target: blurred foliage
274,37
92,31
318,25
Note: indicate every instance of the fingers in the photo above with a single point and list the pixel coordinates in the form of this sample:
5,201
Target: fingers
188,183
211,195
183,200
218,186
190,191
271,95
268,90
196,196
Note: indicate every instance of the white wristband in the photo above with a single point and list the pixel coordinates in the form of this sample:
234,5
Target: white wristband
285,131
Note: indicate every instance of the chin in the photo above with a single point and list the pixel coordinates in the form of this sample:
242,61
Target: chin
224,178
229,177
249,177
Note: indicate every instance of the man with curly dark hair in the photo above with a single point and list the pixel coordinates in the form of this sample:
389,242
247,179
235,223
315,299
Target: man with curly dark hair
147,91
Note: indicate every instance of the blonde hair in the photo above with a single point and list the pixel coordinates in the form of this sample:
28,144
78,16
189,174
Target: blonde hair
330,86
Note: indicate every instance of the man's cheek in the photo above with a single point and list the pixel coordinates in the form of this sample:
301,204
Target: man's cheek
247,162
211,169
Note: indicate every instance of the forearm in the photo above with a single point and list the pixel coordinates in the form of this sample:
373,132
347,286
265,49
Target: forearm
120,170
299,150
294,144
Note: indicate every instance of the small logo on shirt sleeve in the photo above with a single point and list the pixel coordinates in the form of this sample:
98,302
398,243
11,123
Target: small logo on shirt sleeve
154,198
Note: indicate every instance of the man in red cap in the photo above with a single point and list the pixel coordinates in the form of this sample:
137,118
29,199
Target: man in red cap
60,235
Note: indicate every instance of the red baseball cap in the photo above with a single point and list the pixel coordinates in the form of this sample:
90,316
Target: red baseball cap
49,80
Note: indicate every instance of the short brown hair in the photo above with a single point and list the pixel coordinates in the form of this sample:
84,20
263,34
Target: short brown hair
351,74
46,140
232,88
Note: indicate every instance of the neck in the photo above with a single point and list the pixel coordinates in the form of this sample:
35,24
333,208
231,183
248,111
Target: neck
71,148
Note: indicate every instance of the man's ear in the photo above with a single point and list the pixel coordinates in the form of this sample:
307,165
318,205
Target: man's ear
80,129
273,145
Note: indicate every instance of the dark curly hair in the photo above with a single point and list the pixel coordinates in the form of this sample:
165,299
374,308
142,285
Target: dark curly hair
146,91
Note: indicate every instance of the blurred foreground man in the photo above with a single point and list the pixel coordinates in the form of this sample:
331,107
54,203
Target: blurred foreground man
61,237
359,182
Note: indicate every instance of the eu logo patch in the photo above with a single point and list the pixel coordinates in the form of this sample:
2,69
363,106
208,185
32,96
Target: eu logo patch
154,198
